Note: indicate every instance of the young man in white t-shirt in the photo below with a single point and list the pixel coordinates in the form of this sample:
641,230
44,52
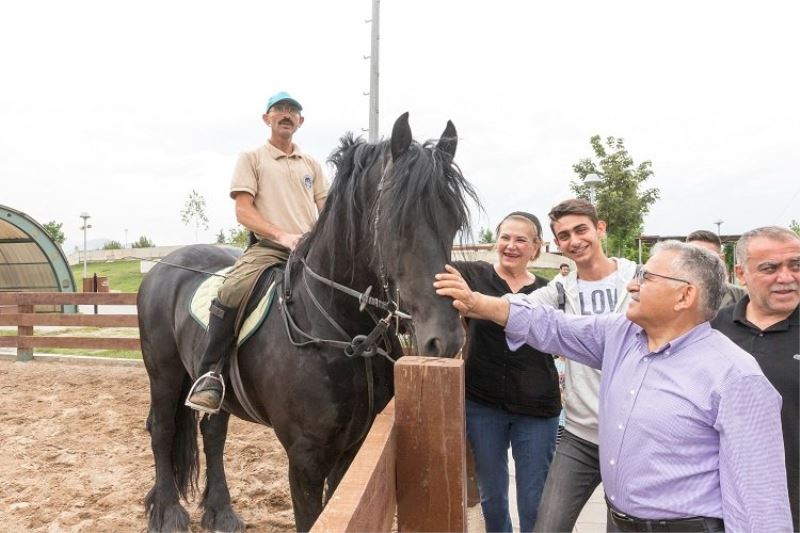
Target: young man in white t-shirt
597,286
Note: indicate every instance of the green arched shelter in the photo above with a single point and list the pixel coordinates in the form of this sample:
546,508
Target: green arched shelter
29,259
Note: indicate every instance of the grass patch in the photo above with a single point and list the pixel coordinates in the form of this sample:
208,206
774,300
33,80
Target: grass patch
88,332
122,276
111,354
546,273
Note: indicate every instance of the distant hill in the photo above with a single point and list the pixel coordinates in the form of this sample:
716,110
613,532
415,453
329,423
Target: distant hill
91,244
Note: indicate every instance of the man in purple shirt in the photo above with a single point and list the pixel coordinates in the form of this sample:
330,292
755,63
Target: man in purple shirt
690,429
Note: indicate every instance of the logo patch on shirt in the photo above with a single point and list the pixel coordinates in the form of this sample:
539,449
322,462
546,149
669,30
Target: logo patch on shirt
308,181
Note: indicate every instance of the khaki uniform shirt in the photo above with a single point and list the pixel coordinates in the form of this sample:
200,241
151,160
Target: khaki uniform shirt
285,187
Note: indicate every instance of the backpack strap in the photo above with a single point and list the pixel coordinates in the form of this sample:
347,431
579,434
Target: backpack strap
562,296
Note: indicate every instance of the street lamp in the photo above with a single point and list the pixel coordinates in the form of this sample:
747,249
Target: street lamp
718,223
85,216
592,181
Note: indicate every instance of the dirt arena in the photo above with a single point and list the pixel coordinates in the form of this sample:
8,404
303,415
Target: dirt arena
75,455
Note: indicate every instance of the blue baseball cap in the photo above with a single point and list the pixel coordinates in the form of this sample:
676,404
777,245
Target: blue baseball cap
280,97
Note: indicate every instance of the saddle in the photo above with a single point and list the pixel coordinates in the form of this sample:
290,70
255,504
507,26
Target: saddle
257,307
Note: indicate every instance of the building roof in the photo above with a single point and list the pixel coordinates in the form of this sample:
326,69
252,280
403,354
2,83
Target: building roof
652,239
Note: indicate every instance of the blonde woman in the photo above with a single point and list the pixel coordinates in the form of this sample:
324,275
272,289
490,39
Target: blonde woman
513,397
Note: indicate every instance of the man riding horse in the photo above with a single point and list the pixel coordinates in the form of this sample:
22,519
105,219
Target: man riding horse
279,192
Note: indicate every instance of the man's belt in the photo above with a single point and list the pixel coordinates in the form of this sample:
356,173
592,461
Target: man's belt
625,522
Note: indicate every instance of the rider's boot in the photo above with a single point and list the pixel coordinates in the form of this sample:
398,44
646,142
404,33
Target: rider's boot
207,391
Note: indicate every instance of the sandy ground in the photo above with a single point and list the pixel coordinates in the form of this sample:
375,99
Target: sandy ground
75,455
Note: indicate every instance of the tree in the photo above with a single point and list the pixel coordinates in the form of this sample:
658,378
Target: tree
239,236
194,211
617,196
143,242
53,229
485,236
795,226
112,245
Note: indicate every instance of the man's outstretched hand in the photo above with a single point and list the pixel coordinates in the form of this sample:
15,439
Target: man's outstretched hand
469,303
450,283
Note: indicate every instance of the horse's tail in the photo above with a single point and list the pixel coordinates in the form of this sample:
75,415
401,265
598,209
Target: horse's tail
184,453
185,457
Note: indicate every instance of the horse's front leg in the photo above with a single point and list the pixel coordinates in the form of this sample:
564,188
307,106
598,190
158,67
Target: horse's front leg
308,467
218,513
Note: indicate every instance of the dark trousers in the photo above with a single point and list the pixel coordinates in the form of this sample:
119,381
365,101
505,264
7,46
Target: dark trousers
573,477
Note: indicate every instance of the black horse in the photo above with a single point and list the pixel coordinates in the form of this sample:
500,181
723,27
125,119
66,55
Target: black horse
389,222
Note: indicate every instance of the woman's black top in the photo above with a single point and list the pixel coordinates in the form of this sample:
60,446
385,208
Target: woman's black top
524,381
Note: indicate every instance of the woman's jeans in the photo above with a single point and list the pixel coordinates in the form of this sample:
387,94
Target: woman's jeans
490,431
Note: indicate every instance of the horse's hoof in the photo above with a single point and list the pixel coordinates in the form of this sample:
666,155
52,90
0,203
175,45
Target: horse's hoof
222,520
171,517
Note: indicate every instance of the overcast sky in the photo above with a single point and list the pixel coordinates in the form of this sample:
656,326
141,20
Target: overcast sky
121,109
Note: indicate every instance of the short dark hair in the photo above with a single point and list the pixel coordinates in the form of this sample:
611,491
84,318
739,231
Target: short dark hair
562,265
573,206
704,235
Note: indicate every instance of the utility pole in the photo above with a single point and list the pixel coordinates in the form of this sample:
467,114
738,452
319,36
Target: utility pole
373,72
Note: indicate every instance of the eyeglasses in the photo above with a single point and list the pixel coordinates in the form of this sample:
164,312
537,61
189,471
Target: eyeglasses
641,273
285,108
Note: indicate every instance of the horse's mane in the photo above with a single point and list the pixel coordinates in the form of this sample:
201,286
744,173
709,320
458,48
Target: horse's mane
424,184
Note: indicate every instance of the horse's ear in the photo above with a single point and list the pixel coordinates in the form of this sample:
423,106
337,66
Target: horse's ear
401,136
449,140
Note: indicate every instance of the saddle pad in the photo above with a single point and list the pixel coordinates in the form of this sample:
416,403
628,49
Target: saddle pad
201,301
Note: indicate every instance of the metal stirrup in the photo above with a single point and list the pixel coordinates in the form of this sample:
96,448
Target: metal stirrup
210,375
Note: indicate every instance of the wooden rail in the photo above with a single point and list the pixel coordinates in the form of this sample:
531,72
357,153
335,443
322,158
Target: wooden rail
25,320
366,498
413,459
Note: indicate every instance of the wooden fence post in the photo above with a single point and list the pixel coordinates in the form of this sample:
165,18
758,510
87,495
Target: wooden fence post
431,444
24,354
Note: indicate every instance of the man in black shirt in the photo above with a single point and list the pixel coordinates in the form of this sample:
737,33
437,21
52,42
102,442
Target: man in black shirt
765,324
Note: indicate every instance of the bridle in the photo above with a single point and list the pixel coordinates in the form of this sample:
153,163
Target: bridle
358,345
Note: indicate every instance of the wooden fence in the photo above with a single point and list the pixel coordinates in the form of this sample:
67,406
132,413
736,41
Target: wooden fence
412,465
25,319
412,462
